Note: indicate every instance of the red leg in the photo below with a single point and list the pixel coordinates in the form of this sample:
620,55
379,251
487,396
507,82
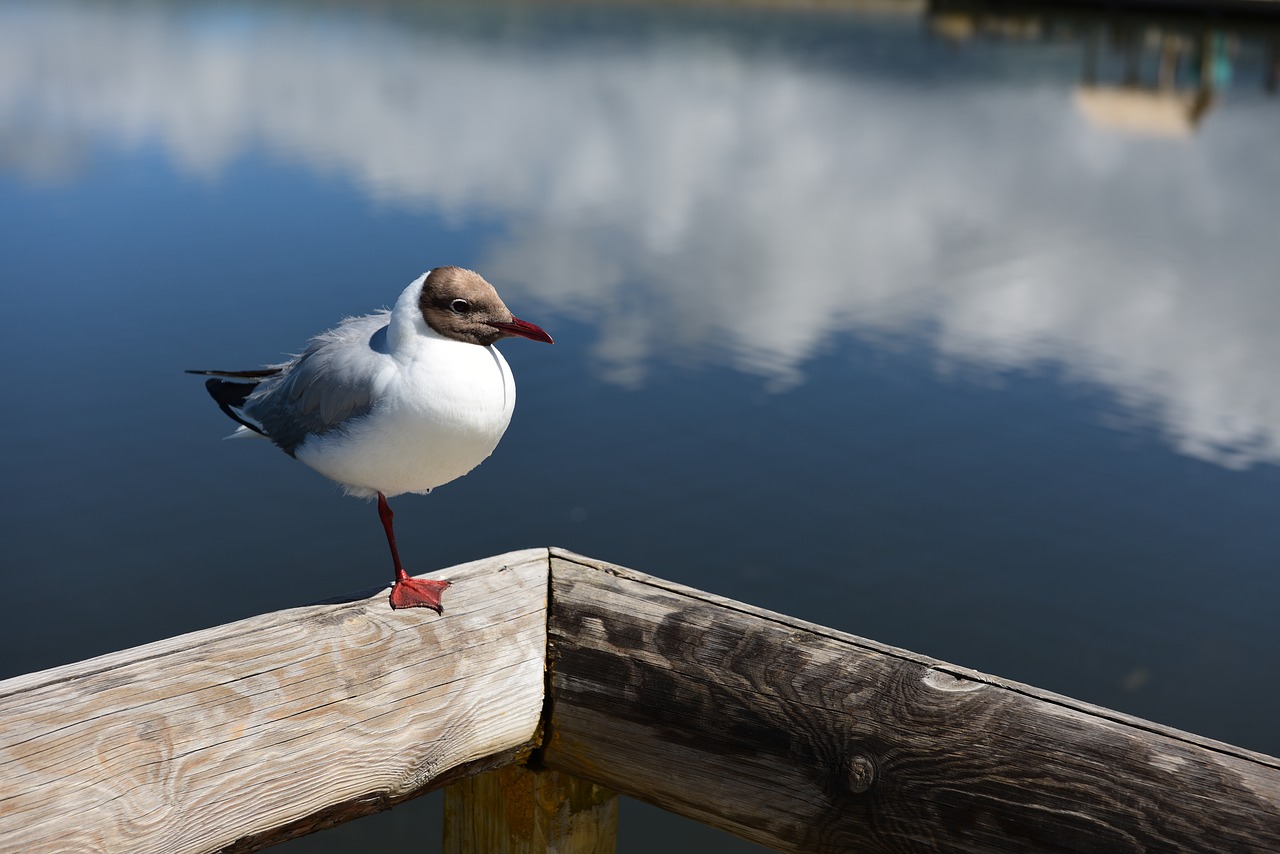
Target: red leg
408,592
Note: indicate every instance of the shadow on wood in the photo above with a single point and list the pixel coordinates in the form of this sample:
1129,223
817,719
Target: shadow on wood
805,739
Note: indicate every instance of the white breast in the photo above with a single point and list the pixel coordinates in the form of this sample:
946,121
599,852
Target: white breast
439,414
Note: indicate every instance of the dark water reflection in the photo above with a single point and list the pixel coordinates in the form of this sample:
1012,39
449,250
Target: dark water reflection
951,328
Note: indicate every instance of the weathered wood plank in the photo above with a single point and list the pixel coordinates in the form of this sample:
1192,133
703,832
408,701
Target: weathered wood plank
809,740
237,737
516,810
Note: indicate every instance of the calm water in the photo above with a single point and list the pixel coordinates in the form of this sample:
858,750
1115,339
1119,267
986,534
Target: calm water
914,325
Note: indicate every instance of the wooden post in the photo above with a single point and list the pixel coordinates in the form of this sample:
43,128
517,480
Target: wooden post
789,734
516,810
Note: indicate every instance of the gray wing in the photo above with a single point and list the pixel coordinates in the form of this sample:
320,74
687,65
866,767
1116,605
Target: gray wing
331,383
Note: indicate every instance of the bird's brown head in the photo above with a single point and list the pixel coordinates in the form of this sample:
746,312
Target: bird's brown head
460,305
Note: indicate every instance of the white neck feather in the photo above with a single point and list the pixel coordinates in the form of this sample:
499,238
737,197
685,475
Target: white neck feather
407,324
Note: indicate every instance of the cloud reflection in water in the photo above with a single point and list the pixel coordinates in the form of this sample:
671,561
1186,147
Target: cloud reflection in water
688,196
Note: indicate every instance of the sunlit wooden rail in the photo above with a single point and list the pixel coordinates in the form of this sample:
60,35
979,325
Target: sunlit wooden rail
563,680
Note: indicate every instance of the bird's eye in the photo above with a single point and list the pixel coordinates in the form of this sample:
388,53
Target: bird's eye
459,306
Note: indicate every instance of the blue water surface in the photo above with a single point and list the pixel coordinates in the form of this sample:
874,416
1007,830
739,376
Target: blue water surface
896,323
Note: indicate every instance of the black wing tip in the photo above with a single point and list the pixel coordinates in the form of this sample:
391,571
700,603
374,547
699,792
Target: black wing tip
259,374
229,396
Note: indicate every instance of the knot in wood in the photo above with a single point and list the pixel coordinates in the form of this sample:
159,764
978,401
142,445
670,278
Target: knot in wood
861,773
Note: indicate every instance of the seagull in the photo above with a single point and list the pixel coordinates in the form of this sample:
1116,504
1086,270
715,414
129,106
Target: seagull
392,402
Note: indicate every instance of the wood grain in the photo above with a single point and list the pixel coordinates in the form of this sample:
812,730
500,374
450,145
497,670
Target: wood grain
805,739
517,810
240,736
786,733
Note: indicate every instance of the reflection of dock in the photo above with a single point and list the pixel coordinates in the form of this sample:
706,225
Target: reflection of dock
1148,111
1170,102
1149,68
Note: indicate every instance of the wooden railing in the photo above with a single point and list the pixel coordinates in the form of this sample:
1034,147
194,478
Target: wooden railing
567,679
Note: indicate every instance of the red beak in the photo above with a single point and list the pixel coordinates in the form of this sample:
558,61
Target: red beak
522,329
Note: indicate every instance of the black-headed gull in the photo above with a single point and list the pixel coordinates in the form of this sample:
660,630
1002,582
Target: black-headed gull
398,401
